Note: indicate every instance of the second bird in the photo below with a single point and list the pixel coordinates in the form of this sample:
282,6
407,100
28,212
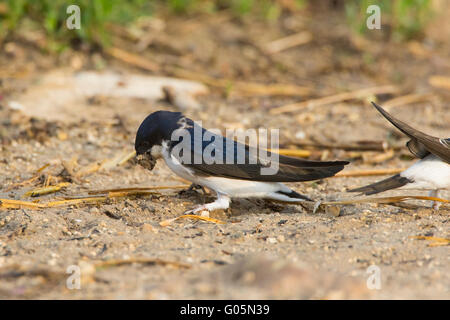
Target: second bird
431,172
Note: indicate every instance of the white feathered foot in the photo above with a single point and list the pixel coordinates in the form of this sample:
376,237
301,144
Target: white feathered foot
435,205
222,203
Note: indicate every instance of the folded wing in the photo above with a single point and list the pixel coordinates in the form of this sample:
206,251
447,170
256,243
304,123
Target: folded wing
245,162
420,144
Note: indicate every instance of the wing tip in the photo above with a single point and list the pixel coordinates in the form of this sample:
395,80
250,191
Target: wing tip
375,105
381,110
390,183
295,195
366,190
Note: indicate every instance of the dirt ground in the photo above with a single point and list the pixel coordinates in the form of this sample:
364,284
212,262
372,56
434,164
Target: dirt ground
263,250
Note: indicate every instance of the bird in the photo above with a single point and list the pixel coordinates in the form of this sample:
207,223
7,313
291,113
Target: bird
431,172
229,179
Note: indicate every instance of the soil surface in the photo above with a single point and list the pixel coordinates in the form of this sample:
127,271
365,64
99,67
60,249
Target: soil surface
262,250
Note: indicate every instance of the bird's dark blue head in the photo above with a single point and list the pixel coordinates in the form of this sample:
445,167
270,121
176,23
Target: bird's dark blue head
157,127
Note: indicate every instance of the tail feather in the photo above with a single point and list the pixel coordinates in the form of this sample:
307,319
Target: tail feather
393,182
294,195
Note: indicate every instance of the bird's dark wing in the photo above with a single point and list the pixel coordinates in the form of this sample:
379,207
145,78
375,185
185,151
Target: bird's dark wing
245,162
420,144
393,182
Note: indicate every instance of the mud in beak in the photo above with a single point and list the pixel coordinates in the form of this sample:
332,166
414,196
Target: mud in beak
146,160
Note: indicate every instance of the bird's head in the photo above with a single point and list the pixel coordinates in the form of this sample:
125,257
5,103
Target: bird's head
156,128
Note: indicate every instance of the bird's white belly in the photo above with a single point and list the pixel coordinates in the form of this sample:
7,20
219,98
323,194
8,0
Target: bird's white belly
429,173
234,188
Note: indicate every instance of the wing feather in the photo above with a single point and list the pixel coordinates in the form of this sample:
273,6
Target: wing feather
393,182
249,167
420,142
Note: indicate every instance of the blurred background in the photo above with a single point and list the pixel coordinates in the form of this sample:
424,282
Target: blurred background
268,55
304,49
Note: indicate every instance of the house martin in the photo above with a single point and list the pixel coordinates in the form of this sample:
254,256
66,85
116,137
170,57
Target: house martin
431,172
230,168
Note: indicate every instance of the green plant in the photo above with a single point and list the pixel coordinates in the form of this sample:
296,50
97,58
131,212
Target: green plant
50,16
411,16
406,18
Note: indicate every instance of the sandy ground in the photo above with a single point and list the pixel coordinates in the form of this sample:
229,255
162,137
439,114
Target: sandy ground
262,250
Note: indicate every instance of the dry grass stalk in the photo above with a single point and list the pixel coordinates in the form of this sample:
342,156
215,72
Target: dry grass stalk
357,94
22,183
93,167
277,89
127,158
408,99
355,146
370,172
150,261
123,194
103,191
288,42
244,87
384,200
436,241
372,159
105,164
131,58
119,159
29,181
18,204
46,190
441,82
165,223
45,166
294,152
68,202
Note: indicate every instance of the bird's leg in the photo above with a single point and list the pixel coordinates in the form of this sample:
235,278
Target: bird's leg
435,205
222,202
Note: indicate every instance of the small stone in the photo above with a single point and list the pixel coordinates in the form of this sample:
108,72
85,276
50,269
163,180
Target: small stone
148,228
272,240
300,135
335,211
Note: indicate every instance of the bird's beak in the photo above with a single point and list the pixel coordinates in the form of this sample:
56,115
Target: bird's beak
146,160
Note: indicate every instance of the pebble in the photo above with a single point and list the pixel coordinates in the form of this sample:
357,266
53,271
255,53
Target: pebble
148,228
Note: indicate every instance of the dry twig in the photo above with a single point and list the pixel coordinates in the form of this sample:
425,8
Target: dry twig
441,82
436,242
131,58
408,99
288,42
370,172
150,261
46,190
165,223
357,94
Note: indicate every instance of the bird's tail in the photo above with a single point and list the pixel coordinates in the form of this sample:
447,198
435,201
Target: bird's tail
294,195
393,182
